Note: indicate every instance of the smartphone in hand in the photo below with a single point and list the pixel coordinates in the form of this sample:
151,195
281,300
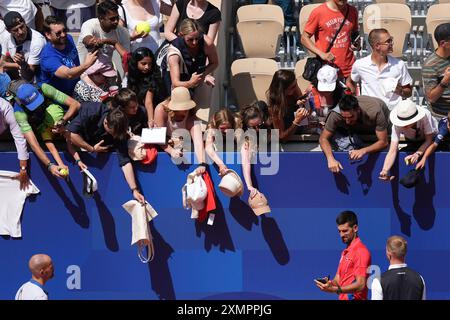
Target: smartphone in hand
355,36
201,69
323,280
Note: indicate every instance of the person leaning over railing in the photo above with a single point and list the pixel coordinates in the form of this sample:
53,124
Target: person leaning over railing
221,122
355,115
98,128
415,123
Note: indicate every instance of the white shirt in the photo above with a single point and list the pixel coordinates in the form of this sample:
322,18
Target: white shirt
377,291
26,8
70,5
92,28
153,40
375,83
31,291
7,119
12,200
31,48
427,125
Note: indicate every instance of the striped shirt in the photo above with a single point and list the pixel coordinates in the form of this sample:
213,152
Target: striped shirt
432,73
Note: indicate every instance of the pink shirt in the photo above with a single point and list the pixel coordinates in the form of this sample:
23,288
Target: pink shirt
354,262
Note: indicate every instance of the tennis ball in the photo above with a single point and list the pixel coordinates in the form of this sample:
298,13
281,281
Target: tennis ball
143,26
64,172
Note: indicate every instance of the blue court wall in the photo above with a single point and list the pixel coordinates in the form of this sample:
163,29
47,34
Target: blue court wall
241,256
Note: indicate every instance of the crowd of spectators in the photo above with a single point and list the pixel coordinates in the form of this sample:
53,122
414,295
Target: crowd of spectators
61,89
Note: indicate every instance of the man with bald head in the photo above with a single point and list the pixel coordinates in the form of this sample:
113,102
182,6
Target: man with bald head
41,268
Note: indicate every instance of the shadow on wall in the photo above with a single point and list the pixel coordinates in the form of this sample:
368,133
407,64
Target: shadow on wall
365,171
160,277
274,238
242,213
342,183
218,234
403,217
108,224
423,208
78,210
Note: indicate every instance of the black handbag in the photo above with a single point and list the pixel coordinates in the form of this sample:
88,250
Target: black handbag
313,64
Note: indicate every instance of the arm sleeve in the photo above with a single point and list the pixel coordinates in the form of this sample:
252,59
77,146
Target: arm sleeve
442,131
215,16
19,139
50,63
406,77
395,135
332,121
35,53
429,78
382,122
355,75
22,121
122,152
312,24
54,94
377,291
362,263
75,125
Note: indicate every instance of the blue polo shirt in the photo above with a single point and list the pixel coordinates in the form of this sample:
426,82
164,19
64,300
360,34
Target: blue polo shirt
442,131
52,59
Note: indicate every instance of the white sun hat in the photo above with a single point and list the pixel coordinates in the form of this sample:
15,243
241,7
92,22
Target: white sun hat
405,113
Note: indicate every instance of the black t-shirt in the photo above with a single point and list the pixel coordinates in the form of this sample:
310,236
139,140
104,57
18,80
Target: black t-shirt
88,123
211,15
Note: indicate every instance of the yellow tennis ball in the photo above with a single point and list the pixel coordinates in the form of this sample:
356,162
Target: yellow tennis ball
143,26
64,172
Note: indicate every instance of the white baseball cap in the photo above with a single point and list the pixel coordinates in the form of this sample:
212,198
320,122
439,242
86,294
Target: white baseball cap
327,77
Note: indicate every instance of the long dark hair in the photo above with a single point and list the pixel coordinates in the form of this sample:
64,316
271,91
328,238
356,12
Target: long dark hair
276,95
140,82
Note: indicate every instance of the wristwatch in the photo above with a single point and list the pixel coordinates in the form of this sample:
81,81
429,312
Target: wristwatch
339,290
23,168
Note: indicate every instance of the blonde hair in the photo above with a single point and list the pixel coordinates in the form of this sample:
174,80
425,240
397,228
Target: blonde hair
398,246
188,26
220,117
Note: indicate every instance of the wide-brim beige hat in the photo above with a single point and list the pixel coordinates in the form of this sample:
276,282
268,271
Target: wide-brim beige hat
231,184
180,100
405,113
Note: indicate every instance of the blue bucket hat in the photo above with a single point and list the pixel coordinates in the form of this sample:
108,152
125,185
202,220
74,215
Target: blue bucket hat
29,96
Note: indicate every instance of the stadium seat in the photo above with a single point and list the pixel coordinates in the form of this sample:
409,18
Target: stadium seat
250,79
437,14
394,17
299,68
260,28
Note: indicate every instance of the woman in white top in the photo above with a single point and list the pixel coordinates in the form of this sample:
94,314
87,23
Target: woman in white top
143,11
413,122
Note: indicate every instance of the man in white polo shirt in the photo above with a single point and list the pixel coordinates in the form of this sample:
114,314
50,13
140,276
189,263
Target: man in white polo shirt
381,75
42,270
21,49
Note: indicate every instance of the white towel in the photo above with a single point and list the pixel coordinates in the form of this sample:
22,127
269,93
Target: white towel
12,200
